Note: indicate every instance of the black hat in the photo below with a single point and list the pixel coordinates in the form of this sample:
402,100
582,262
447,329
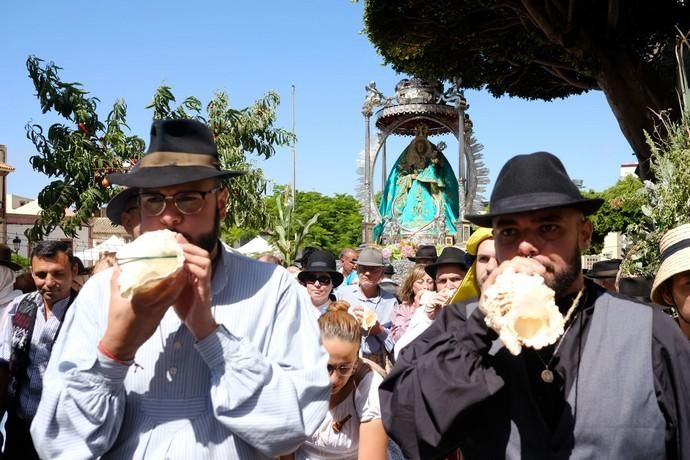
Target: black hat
532,182
389,270
304,256
449,256
120,203
604,269
321,261
425,252
6,258
180,151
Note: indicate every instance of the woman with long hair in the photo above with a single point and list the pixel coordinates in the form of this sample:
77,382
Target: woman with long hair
352,428
415,283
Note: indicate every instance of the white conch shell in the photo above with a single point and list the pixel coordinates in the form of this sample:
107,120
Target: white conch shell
368,317
425,301
150,258
523,311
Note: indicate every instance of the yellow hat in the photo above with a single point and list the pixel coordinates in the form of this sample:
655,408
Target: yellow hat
469,288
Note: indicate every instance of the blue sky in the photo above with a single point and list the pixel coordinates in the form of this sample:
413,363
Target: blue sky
126,49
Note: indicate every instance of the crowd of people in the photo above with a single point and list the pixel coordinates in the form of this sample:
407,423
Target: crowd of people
332,359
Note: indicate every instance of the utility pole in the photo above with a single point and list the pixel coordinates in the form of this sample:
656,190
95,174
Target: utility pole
294,153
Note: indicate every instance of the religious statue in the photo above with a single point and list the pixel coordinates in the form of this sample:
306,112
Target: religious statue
421,193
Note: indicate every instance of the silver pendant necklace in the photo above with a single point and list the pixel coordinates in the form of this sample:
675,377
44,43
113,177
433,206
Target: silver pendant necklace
547,374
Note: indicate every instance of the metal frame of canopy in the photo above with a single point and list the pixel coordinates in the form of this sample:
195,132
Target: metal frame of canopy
418,102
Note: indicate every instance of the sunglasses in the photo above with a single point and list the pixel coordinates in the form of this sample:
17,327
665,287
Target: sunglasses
343,370
322,279
364,269
153,204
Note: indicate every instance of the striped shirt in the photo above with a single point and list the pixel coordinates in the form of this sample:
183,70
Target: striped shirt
42,338
255,388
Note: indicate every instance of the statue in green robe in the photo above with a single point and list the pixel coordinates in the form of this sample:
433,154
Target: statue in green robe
420,199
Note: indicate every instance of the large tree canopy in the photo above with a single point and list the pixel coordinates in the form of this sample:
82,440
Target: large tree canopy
542,50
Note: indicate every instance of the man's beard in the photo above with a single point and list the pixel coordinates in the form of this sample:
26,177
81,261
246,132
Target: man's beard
563,281
206,241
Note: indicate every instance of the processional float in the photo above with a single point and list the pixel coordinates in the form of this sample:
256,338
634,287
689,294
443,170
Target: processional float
423,199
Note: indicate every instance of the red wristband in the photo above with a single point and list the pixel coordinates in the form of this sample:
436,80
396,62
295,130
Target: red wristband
111,355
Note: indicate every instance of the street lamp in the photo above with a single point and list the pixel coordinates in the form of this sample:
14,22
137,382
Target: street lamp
16,243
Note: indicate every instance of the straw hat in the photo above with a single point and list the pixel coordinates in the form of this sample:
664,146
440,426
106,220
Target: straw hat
675,258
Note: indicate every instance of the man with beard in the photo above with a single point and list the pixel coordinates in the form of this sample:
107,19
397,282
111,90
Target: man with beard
33,323
613,385
233,370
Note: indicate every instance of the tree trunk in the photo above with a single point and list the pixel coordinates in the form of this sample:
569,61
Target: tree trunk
633,96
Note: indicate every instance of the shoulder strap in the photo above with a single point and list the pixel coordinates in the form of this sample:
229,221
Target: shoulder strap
23,323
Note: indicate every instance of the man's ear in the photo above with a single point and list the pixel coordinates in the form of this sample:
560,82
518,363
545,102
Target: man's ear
665,291
585,234
222,202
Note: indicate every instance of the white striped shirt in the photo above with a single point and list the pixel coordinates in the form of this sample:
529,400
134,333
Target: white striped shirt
255,388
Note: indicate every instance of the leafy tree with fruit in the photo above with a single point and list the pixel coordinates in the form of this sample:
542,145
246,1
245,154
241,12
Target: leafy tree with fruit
79,151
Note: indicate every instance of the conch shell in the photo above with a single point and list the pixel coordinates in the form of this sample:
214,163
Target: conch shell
151,258
523,311
368,317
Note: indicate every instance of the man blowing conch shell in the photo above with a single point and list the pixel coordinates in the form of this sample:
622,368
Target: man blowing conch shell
613,384
216,359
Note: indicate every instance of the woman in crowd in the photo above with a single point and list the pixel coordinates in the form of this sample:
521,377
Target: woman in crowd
320,277
412,287
352,428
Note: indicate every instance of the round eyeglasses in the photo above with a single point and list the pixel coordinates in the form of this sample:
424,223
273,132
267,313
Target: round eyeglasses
187,203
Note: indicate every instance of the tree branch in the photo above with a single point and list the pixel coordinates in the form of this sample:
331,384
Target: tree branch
539,18
558,73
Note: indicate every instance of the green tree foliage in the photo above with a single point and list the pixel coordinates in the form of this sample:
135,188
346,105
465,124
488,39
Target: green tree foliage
236,132
339,225
542,50
77,152
81,150
622,207
288,231
666,201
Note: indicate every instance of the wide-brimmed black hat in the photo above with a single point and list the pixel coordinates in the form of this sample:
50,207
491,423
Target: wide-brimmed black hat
120,203
532,182
425,252
604,269
180,151
449,256
6,258
321,261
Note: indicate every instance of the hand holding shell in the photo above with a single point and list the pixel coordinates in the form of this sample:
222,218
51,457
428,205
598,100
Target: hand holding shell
522,310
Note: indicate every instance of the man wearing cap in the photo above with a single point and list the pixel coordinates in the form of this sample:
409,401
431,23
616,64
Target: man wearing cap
387,283
604,273
233,370
448,272
377,344
34,322
672,282
614,385
425,255
123,209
